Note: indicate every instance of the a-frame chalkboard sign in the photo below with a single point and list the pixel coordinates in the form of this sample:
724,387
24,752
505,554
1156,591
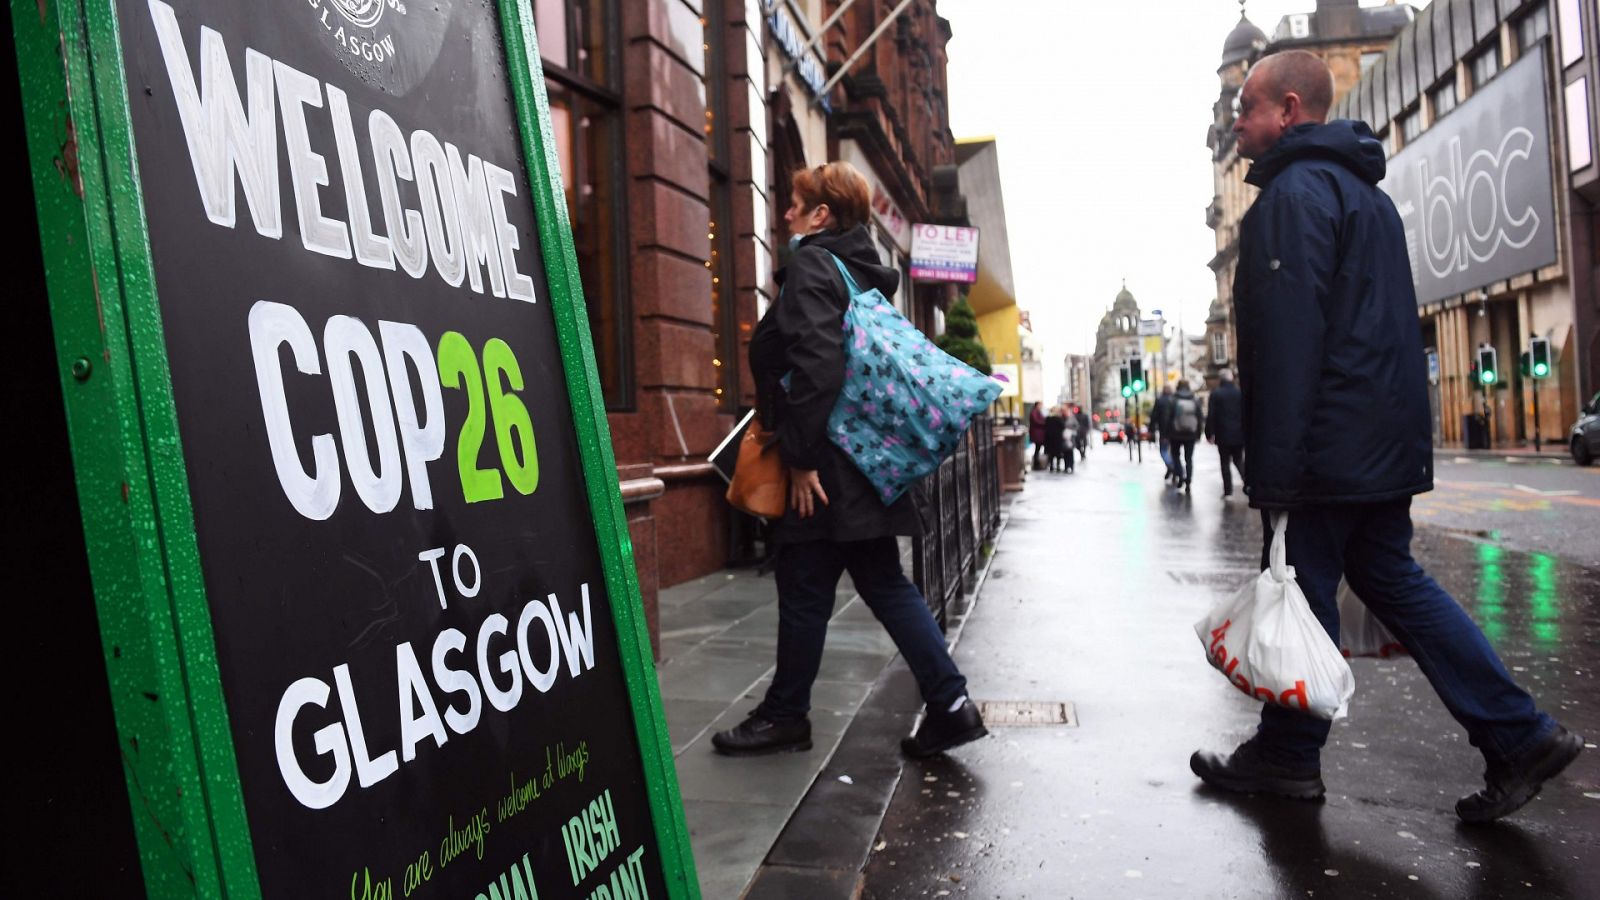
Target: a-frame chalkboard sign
363,578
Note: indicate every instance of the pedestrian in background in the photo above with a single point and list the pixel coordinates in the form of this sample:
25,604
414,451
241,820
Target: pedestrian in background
1083,431
1225,428
1328,334
1055,438
1161,429
1069,443
835,521
1036,432
1185,419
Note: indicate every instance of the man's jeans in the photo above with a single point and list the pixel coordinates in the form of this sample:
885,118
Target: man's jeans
1370,545
807,575
1234,455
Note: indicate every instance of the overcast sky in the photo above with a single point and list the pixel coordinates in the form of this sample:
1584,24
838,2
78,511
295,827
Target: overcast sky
1100,110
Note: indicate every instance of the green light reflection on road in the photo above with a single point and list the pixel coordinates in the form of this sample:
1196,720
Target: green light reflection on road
1545,603
1491,591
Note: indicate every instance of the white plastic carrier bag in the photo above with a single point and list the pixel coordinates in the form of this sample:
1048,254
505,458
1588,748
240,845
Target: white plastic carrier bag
1360,632
1267,643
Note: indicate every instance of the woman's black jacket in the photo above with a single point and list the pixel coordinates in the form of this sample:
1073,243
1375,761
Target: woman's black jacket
802,336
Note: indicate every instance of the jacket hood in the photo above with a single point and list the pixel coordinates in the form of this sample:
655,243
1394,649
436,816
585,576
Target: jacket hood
855,247
1346,142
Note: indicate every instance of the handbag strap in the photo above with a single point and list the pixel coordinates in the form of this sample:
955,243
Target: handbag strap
849,280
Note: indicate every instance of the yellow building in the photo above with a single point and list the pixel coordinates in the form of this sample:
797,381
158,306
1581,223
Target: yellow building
994,296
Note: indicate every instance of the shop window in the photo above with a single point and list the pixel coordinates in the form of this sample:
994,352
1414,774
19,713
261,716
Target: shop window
1443,98
719,233
1533,27
1484,66
576,46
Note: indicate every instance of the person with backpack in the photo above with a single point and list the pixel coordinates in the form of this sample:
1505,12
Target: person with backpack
1185,418
835,521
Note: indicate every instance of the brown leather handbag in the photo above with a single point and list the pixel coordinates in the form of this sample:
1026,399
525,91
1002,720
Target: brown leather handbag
760,484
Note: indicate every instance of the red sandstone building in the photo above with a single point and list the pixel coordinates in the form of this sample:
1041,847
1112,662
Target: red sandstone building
679,123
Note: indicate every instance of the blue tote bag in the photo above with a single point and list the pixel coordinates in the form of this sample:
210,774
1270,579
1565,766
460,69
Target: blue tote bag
905,403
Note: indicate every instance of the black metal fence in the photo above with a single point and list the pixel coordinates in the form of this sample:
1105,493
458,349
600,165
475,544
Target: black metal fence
961,510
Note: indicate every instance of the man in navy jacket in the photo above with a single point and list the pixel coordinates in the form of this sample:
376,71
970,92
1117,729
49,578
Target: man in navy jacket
1337,435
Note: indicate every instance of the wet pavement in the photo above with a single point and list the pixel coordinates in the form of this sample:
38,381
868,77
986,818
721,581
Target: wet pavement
1523,503
1098,579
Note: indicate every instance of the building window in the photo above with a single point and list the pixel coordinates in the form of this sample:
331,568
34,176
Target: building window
575,45
1219,348
1484,66
719,258
1579,154
1570,20
1443,98
1386,136
1411,126
1533,27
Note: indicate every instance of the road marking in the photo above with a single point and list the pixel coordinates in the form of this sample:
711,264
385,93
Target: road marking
1463,460
1523,487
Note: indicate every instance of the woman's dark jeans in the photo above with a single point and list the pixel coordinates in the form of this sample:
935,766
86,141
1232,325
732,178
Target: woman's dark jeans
1370,545
808,576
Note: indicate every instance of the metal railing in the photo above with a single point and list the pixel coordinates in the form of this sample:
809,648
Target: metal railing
960,512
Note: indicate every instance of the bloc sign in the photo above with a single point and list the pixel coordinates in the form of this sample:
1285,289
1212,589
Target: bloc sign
426,691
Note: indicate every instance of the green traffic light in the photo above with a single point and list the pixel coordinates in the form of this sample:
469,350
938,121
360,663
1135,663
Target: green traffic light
1487,377
1138,387
1540,370
1127,391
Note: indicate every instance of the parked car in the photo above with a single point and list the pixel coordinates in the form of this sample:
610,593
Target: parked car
1585,440
1111,433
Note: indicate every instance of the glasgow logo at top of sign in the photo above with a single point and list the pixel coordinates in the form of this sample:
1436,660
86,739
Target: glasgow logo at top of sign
366,13
1466,215
386,43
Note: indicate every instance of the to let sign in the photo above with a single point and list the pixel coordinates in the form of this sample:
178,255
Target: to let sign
409,632
944,253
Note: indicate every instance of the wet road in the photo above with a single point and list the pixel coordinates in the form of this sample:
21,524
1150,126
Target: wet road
1098,580
1529,506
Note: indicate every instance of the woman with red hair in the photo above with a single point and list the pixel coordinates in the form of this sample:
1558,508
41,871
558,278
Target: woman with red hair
835,521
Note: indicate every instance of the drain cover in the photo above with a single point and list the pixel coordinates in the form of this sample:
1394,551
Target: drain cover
1027,712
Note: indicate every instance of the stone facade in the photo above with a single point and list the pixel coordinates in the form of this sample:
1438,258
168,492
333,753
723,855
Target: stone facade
1116,339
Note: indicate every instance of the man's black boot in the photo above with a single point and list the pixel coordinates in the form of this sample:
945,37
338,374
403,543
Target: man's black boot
758,736
1246,772
1507,787
943,730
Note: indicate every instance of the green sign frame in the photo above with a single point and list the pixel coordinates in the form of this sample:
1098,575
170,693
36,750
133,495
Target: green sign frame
155,623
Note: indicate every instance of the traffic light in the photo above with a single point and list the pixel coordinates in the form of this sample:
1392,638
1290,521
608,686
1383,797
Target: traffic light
1127,386
1539,353
1488,366
1136,375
